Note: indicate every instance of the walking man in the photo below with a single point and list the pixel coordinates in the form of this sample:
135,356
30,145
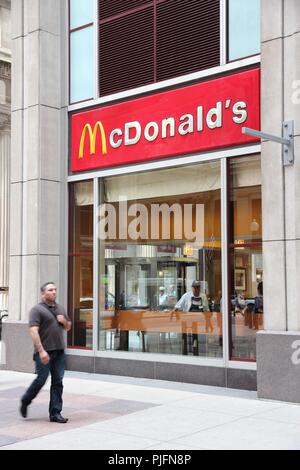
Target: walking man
47,322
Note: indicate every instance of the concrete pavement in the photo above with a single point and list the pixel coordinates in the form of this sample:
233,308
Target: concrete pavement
124,413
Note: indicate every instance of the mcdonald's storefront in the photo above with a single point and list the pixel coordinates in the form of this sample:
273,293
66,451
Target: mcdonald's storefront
165,189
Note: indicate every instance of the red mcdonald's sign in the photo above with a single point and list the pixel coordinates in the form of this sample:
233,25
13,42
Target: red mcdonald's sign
192,119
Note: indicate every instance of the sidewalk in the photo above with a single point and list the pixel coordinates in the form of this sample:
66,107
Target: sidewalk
124,413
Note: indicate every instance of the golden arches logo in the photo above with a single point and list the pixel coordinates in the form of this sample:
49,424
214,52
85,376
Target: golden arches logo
93,138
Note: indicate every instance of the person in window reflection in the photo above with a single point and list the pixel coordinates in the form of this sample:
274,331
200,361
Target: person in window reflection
253,310
172,296
195,301
218,309
172,292
239,302
162,298
258,306
122,300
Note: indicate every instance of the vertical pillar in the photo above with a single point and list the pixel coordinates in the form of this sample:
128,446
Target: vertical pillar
278,346
38,164
5,82
4,205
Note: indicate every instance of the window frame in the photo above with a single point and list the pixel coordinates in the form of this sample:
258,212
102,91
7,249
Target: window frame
228,61
94,25
224,156
231,245
73,254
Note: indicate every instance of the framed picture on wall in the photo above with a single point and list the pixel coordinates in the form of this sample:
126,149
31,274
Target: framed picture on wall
240,279
239,262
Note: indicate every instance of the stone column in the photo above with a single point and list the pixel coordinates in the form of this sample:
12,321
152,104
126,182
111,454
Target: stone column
38,165
4,203
278,346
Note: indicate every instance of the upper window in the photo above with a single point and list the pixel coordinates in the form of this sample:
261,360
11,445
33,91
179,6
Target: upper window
81,13
141,42
144,42
244,28
82,81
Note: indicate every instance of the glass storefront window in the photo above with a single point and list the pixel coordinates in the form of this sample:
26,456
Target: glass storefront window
246,267
244,28
81,265
82,64
159,231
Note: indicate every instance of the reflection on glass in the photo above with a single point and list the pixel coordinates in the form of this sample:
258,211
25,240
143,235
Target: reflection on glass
82,64
81,265
246,267
244,28
81,13
159,231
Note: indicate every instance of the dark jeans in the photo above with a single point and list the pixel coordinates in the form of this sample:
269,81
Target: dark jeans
56,367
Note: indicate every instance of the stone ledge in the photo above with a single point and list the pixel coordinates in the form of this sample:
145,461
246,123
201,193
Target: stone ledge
278,365
18,347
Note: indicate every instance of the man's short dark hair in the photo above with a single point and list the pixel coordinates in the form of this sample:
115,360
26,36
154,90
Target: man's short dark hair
43,287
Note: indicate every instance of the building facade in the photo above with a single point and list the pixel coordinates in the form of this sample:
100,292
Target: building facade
5,120
131,178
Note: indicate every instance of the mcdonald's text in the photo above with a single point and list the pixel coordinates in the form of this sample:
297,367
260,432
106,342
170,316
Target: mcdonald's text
192,119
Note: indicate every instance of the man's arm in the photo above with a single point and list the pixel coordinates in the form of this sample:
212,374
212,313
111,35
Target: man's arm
35,336
179,305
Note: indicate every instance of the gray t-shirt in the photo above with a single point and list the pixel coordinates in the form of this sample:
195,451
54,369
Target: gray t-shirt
50,331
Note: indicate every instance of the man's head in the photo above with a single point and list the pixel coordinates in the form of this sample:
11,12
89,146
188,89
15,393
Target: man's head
161,290
196,287
49,292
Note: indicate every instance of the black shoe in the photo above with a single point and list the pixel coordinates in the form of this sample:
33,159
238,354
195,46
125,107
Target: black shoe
23,410
58,419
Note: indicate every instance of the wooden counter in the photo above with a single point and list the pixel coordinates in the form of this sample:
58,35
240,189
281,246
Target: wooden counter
162,321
